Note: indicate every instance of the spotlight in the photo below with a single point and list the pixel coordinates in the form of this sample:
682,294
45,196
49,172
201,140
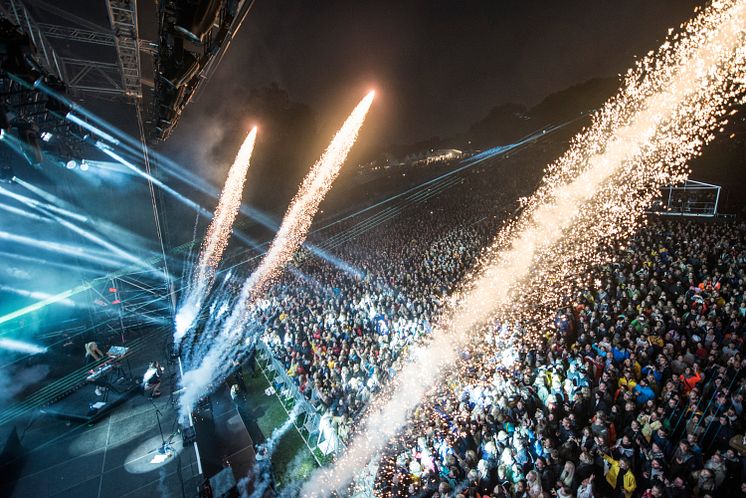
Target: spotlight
46,136
84,165
71,164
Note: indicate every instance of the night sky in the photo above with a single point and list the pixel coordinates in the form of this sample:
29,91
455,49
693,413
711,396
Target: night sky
439,66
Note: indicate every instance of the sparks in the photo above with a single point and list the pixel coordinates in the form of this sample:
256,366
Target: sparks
228,338
306,202
668,108
215,241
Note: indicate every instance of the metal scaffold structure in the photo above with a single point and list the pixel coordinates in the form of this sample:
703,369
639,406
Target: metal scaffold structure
82,74
123,19
690,199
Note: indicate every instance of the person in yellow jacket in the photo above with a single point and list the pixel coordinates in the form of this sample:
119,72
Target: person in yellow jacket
624,487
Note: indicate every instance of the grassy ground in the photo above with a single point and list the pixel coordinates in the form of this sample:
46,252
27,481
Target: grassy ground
291,461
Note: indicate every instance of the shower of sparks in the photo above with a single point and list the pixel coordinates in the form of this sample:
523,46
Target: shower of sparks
591,198
215,241
306,202
226,334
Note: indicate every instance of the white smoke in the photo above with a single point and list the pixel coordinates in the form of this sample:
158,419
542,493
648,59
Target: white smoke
16,380
260,477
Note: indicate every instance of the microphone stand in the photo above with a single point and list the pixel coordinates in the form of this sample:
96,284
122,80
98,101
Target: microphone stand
165,447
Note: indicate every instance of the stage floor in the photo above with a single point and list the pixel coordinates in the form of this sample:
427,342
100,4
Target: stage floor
113,457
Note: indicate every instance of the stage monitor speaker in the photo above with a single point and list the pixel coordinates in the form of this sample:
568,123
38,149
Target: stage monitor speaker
223,484
188,435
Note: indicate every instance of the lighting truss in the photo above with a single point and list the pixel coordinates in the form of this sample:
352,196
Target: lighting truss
123,18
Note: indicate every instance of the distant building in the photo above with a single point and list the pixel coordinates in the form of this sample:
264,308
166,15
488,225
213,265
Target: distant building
441,155
423,158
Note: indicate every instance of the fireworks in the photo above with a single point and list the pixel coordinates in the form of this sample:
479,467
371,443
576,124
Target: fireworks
219,230
302,208
216,240
590,199
228,339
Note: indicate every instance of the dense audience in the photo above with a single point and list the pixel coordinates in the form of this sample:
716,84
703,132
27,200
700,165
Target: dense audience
638,391
342,330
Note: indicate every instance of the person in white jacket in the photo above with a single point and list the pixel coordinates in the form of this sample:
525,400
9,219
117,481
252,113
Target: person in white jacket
585,490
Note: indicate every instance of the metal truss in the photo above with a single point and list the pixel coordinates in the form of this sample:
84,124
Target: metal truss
82,35
31,109
88,76
67,15
78,74
77,34
123,17
17,13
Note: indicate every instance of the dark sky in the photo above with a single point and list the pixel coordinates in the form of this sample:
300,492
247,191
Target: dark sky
438,66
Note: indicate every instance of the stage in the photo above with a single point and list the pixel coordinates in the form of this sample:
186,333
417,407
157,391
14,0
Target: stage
114,455
66,451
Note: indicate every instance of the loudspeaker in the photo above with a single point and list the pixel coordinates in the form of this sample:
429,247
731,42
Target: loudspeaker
188,435
223,484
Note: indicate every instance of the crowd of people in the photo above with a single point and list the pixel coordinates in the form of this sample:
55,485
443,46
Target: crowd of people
342,330
638,390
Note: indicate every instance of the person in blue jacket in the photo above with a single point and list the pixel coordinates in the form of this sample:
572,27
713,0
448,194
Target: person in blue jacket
644,392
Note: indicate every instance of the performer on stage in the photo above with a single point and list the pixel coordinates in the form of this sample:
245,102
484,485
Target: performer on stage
92,352
151,381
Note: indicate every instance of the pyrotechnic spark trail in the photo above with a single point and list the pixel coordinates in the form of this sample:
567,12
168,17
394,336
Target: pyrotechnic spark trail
668,108
287,241
303,207
216,240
